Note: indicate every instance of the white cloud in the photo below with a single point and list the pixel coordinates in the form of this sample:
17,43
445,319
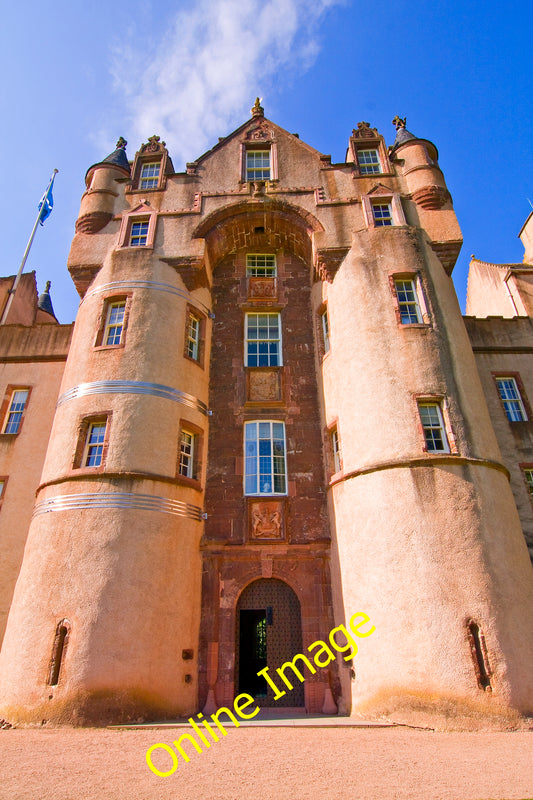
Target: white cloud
205,72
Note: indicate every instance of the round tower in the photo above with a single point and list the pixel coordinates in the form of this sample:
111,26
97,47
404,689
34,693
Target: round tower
105,618
97,203
428,536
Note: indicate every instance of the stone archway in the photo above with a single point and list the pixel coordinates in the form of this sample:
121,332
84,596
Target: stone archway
268,631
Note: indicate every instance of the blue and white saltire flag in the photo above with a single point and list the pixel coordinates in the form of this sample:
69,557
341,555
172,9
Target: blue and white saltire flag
47,202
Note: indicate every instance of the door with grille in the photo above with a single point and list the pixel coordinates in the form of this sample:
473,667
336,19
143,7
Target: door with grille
268,632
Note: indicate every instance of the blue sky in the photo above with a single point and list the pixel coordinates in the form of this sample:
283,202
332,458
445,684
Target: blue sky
76,76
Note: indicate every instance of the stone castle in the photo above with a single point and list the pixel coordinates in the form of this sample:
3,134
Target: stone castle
269,415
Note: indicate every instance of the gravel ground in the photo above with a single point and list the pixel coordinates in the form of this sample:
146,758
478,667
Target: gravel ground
273,763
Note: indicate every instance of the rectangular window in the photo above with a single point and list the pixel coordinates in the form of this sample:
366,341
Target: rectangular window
325,331
336,446
264,458
407,301
114,323
258,165
511,399
193,337
16,410
263,340
433,425
94,444
528,473
382,214
187,454
138,234
260,265
150,176
368,161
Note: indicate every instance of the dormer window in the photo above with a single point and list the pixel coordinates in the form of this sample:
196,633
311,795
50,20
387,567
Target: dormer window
368,161
150,175
151,167
258,165
367,151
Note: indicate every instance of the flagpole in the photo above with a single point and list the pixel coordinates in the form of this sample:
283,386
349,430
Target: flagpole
16,282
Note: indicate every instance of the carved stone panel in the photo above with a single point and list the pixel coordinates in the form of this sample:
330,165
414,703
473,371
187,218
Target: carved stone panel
263,385
262,288
266,519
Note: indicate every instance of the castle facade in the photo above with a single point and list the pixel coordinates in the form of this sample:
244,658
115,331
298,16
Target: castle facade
269,416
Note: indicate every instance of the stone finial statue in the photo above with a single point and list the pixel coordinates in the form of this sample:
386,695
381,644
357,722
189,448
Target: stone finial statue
121,143
257,110
399,122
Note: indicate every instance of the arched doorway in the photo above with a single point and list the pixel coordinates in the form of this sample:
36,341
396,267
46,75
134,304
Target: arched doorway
268,632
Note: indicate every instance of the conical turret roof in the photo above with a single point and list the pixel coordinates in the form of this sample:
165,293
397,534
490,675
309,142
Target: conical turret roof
117,158
44,303
402,134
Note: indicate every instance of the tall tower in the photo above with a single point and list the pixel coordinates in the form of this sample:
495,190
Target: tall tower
270,420
105,620
428,537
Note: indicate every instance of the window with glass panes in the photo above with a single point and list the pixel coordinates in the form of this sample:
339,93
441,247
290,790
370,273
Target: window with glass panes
382,214
368,161
187,447
150,176
264,458
511,399
263,340
258,165
433,425
260,265
114,324
407,301
16,410
94,444
138,234
193,337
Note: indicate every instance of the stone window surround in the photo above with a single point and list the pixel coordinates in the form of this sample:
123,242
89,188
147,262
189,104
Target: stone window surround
524,402
416,277
110,299
192,311
332,430
255,146
149,156
393,199
195,481
444,416
6,405
84,426
142,213
370,143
